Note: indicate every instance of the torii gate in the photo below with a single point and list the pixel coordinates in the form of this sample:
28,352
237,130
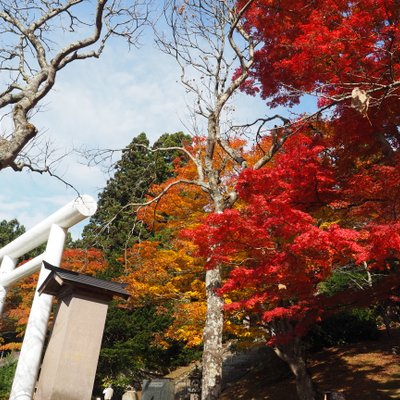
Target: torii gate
53,230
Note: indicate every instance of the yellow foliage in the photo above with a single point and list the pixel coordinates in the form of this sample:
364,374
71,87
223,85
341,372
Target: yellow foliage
189,319
11,346
327,224
157,274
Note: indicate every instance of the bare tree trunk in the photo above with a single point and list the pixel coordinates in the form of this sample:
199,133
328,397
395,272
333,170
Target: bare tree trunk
212,336
293,354
209,42
212,355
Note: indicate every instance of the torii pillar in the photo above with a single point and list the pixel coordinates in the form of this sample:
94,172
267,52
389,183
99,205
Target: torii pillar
69,365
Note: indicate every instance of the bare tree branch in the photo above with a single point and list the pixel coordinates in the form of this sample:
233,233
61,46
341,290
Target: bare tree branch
32,58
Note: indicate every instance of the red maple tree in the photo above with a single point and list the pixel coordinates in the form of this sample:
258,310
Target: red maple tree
300,219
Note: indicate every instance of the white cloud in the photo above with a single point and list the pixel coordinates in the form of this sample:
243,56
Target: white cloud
101,104
9,207
108,101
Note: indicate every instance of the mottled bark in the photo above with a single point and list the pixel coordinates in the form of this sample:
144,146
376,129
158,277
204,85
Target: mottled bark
212,355
212,336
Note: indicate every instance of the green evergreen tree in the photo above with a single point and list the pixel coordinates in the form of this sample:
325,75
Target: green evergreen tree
114,227
128,347
129,352
10,230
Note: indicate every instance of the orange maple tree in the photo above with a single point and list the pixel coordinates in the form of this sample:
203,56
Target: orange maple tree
168,269
164,271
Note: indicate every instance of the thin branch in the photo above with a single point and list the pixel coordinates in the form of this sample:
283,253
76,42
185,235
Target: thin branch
20,166
154,200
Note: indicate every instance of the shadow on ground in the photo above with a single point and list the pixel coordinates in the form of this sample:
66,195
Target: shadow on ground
363,371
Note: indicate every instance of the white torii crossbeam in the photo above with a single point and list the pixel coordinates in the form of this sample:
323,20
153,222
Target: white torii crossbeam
52,230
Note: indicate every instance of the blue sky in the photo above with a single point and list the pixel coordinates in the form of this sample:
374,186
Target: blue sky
102,103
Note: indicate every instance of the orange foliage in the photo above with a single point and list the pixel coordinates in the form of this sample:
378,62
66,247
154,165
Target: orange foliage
20,297
169,270
185,205
12,346
162,276
85,261
189,319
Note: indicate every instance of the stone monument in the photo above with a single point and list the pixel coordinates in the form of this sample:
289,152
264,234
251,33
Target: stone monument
158,389
70,361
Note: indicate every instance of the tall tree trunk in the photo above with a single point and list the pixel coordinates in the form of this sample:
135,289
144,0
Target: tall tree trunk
212,336
293,353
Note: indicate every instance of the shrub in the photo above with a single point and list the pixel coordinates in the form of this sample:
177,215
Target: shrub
6,377
343,328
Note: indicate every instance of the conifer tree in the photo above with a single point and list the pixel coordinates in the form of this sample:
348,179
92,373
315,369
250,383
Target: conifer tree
113,228
9,230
